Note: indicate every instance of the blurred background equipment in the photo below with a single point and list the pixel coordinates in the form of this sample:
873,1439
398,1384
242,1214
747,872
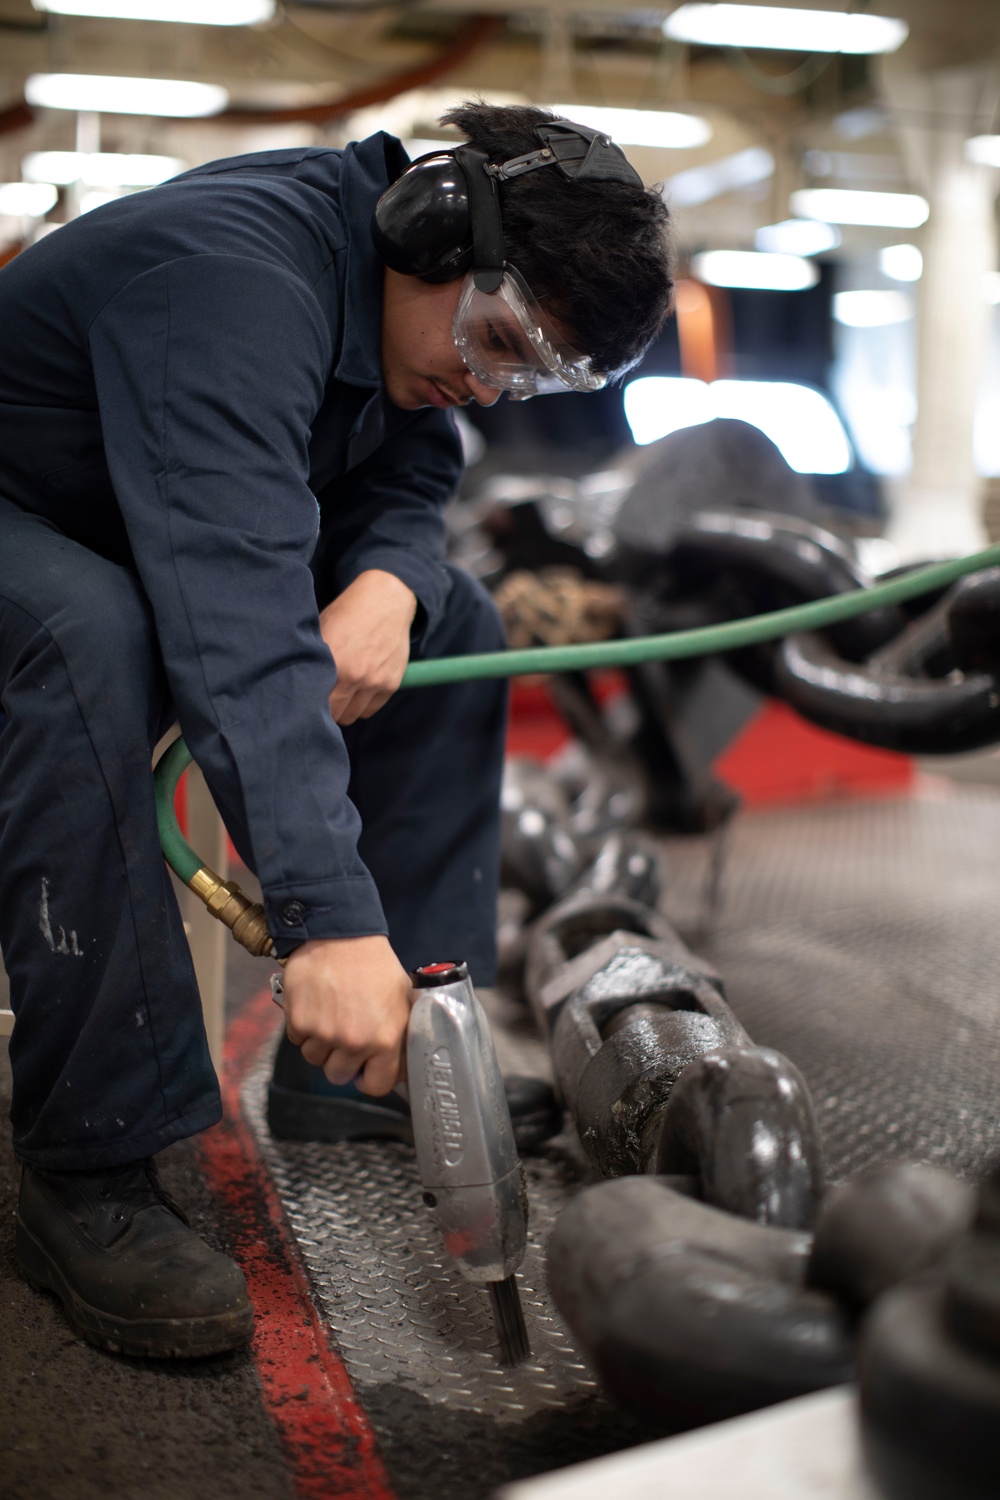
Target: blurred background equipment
832,172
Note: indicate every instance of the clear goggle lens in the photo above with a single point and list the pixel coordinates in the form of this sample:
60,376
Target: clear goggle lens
508,343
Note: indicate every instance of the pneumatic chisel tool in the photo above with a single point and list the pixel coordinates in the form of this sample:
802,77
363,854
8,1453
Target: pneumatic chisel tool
467,1158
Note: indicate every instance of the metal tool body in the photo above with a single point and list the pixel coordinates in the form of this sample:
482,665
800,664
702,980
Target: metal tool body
466,1155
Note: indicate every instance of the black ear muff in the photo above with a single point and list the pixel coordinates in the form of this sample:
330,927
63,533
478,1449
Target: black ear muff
422,225
442,216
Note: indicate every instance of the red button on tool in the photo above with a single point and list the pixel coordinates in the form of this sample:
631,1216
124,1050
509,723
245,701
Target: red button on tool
430,976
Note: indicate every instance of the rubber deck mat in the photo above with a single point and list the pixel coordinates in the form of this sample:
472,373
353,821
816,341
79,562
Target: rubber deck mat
861,939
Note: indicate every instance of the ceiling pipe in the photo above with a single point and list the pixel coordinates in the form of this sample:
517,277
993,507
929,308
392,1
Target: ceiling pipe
16,117
473,35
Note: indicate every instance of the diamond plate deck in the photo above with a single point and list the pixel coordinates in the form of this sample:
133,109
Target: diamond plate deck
861,939
399,1313
418,1341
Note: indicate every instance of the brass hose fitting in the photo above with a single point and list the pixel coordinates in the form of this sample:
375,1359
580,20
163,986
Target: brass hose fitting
244,918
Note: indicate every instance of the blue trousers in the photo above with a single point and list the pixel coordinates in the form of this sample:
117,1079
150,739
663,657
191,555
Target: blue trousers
108,1054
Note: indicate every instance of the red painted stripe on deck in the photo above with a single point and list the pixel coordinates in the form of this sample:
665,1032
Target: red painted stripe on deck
330,1445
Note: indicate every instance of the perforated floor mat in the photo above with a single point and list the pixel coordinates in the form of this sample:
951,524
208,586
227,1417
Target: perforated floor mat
861,939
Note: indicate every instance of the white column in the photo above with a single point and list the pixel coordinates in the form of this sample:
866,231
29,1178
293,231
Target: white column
88,143
938,509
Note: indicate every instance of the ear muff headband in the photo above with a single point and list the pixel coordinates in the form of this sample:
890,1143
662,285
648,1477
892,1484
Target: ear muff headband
442,216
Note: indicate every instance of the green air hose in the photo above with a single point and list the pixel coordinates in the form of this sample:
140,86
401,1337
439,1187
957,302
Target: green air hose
176,850
707,640
246,920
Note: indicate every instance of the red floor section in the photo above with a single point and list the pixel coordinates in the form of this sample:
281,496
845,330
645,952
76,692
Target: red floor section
536,726
330,1446
777,757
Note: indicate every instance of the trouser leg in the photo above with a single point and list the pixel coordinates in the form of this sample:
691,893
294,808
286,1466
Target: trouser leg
425,777
108,1051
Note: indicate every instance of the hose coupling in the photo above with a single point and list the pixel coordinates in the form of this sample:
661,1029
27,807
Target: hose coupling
245,919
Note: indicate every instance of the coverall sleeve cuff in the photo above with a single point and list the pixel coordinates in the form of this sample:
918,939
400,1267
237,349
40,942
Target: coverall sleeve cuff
425,576
345,908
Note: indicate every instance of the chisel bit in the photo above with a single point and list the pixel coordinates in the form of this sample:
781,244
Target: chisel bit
466,1156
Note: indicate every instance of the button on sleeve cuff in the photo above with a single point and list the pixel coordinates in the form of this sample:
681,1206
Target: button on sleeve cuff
346,908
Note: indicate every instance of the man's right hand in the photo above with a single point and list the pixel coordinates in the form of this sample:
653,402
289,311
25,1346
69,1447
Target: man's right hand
347,1004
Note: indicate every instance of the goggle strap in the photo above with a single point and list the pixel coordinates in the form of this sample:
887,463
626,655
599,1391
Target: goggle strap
583,153
544,156
577,150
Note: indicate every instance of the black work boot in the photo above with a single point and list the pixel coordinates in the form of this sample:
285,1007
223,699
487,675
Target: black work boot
303,1105
132,1274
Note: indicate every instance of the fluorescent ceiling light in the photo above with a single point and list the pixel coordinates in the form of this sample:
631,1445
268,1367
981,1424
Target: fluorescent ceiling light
797,237
29,200
112,169
991,287
99,168
641,127
800,421
782,29
96,198
984,150
63,167
901,262
125,96
700,184
850,206
424,146
855,124
191,12
871,309
750,268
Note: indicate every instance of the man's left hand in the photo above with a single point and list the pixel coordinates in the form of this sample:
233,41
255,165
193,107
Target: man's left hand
367,629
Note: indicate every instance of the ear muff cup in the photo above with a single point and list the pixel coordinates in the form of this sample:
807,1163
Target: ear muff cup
422,224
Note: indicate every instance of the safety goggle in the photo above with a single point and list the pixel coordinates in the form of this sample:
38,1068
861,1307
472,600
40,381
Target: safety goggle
508,343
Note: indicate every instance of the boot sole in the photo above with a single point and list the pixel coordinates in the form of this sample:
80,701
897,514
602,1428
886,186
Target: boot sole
148,1338
296,1116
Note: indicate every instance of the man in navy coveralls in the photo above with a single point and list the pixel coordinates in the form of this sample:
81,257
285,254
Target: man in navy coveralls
225,452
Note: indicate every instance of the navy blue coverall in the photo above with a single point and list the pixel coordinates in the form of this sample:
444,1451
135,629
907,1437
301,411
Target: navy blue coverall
195,448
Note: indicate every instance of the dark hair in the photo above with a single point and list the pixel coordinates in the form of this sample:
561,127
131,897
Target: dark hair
598,254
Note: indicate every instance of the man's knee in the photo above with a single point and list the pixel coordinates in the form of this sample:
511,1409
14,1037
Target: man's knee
92,619
471,621
119,624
